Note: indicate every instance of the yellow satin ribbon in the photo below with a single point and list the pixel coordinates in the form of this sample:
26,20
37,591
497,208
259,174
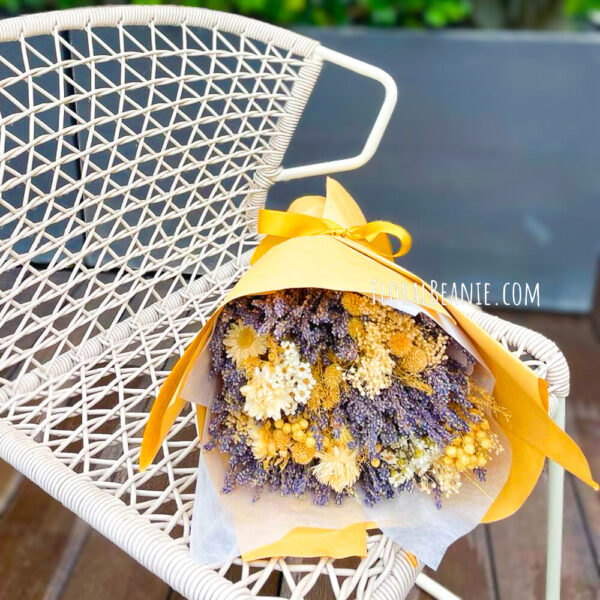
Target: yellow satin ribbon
279,226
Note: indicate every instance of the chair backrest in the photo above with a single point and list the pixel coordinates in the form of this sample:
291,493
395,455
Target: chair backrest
136,144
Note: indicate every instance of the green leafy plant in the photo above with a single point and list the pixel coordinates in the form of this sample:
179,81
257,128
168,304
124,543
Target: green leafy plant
384,13
580,10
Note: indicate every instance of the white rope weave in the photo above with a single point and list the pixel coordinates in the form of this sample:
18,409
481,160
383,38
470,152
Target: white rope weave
136,145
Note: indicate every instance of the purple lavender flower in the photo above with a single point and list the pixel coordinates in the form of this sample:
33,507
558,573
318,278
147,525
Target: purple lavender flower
317,323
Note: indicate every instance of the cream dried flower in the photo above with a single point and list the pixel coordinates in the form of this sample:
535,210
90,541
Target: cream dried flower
243,342
265,399
263,447
337,468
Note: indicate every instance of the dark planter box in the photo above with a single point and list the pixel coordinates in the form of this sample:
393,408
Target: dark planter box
491,160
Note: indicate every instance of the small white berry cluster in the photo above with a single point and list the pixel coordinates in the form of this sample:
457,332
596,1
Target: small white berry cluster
294,374
408,457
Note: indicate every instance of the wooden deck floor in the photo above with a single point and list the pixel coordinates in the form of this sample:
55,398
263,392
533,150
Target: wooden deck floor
48,554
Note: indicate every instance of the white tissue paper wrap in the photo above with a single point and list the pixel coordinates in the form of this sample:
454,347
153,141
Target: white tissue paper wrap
227,525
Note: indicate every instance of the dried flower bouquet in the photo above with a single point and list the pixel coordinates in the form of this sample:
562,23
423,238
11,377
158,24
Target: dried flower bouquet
331,394
323,414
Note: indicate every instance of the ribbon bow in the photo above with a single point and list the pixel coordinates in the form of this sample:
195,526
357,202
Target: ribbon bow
279,226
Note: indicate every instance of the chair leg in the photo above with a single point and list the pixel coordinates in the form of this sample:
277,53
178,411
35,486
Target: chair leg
556,482
556,479
433,588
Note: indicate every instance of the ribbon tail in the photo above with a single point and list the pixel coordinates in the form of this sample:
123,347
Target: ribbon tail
378,233
526,397
169,404
551,441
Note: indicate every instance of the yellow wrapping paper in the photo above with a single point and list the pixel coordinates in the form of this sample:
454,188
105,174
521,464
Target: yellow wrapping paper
326,243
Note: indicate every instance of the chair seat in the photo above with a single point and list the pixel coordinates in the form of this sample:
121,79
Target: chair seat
76,429
89,411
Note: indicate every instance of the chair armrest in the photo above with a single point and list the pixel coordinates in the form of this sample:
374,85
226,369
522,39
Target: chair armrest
535,350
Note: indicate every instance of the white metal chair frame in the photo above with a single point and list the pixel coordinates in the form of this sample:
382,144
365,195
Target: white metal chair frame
140,190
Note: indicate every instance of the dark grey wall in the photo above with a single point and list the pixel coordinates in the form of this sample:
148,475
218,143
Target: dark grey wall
491,161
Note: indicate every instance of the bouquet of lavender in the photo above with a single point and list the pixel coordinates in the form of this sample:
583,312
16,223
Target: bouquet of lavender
323,413
331,394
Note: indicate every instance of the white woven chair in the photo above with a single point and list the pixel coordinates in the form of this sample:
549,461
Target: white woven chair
136,146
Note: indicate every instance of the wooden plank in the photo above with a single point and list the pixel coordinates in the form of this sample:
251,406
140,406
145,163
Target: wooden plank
583,423
54,570
69,556
35,532
467,569
10,482
519,546
582,349
585,426
40,539
418,594
519,542
322,588
577,339
105,572
271,588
